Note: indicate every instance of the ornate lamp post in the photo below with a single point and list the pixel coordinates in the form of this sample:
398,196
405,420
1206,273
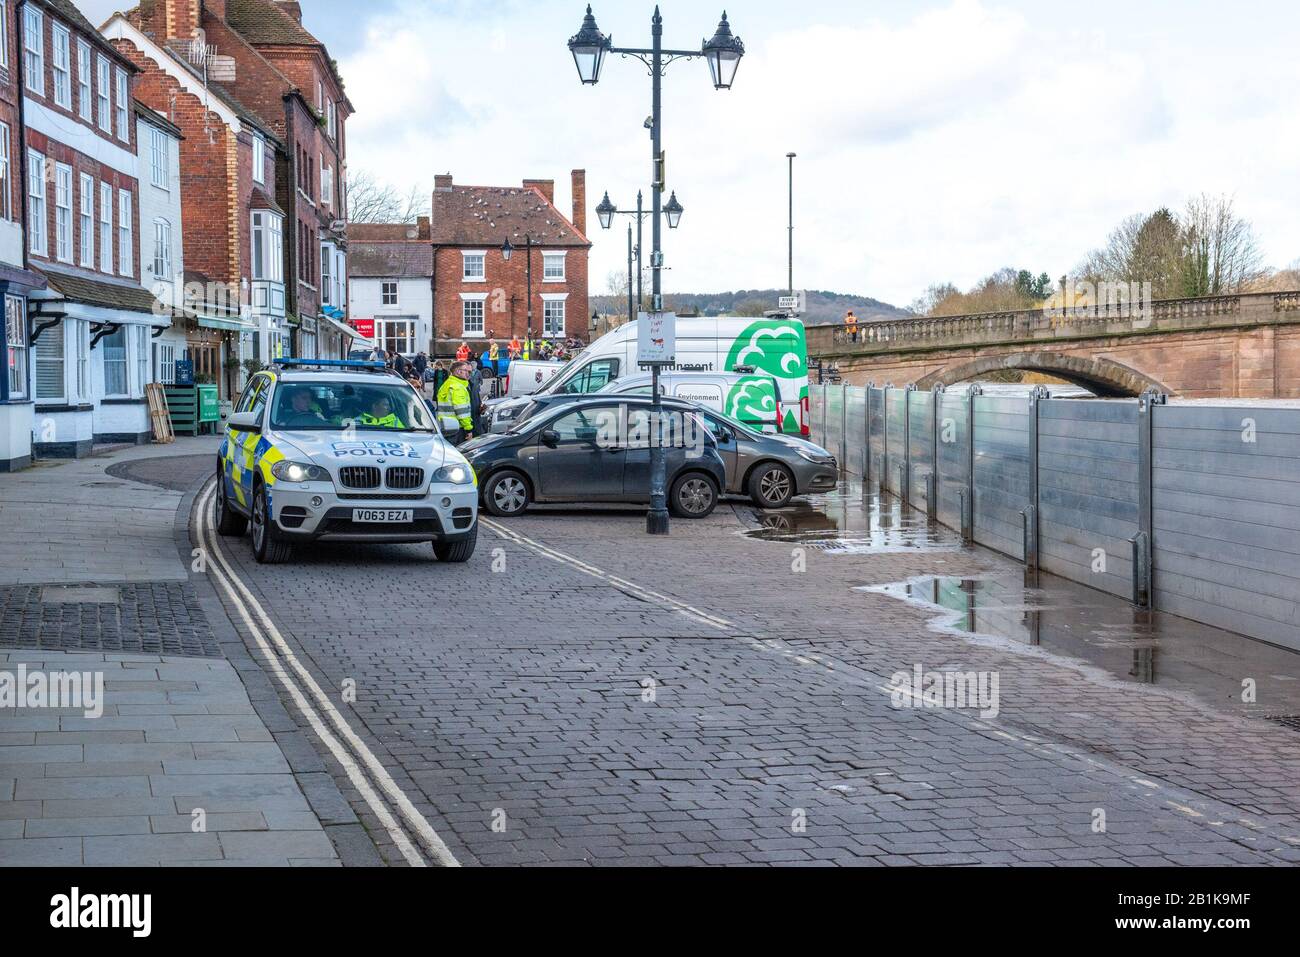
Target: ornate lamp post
606,212
723,52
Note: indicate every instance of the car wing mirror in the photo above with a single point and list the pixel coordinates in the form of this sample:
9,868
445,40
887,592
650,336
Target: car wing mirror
550,438
244,422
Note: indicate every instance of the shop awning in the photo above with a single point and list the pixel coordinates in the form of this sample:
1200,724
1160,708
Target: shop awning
359,340
225,323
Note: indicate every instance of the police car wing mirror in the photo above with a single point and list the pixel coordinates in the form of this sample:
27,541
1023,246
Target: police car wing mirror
550,438
245,422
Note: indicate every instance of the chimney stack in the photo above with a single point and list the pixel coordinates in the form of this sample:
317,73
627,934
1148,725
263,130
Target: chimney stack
422,227
580,200
291,7
544,186
177,19
216,7
442,183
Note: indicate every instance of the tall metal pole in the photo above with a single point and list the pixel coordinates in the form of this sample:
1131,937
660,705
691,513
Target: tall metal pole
528,250
630,314
640,296
790,157
656,520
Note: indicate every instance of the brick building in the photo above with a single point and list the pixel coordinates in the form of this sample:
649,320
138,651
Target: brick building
17,419
477,294
233,280
284,75
91,327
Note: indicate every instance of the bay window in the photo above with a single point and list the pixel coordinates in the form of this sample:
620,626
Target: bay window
16,345
268,247
113,347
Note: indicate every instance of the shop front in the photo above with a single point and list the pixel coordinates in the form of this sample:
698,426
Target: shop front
17,415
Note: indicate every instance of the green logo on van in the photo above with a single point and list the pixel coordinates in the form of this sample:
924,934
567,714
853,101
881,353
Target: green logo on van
774,346
752,400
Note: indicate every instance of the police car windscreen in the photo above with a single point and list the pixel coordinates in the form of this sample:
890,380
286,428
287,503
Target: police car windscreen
338,405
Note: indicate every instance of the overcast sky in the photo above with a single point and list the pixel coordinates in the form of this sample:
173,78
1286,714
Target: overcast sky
937,141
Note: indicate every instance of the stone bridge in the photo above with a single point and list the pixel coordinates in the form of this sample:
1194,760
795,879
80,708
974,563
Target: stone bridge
1243,346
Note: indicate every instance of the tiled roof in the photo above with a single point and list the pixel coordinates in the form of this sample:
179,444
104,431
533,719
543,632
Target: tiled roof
259,200
264,21
96,292
409,259
383,232
488,215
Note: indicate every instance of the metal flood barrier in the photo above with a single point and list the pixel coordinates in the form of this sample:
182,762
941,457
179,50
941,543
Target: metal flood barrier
1192,509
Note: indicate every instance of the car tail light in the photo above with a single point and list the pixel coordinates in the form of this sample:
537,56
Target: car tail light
804,415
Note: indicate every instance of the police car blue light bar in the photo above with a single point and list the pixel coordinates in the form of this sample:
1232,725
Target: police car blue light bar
331,363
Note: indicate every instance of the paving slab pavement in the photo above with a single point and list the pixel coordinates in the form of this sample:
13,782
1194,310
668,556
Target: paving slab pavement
183,766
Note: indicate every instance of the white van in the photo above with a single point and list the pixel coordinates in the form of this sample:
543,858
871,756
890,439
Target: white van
751,398
526,376
771,347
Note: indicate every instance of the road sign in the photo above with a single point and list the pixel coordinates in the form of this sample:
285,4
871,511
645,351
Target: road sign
656,338
797,304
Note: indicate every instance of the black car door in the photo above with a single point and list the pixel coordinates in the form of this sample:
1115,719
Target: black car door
580,455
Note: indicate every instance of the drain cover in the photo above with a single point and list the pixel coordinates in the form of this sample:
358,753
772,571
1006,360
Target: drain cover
78,595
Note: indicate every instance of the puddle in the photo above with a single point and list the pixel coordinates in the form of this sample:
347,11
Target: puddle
1135,646
845,521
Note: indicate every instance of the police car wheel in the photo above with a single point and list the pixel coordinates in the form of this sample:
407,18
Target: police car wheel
229,522
771,486
693,495
506,494
456,551
266,549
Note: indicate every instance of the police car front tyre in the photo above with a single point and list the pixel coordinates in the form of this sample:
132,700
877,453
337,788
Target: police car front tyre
693,495
229,522
456,551
266,548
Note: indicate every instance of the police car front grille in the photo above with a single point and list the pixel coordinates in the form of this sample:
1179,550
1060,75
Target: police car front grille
405,476
359,476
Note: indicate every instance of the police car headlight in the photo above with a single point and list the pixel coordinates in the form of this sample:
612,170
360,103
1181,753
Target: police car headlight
287,471
504,414
455,474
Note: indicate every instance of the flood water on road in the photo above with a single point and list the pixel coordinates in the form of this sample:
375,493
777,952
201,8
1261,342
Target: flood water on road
1047,613
1128,643
846,521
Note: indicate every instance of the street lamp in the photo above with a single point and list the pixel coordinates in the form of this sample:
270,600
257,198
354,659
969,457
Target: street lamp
605,212
589,47
673,210
723,53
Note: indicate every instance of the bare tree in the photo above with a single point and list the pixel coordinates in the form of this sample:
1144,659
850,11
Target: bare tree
372,201
1220,253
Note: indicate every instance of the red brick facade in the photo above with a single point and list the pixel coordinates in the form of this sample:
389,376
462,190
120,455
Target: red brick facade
69,148
10,90
284,76
481,219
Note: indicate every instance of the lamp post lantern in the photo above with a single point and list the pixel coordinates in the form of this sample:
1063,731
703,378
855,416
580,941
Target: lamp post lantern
606,211
589,48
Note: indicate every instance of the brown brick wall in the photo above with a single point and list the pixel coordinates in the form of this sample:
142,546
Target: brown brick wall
9,94
506,309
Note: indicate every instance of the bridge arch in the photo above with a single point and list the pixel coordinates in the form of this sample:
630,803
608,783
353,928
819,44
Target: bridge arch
1105,377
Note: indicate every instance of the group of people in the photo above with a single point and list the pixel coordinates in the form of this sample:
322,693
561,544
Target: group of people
560,350
457,384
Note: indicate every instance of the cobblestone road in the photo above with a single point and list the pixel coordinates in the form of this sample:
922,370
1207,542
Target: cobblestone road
537,711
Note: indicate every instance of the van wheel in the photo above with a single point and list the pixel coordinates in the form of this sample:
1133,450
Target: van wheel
693,495
456,551
266,549
771,485
506,494
229,522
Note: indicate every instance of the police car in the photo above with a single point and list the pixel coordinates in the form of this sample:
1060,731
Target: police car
341,451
